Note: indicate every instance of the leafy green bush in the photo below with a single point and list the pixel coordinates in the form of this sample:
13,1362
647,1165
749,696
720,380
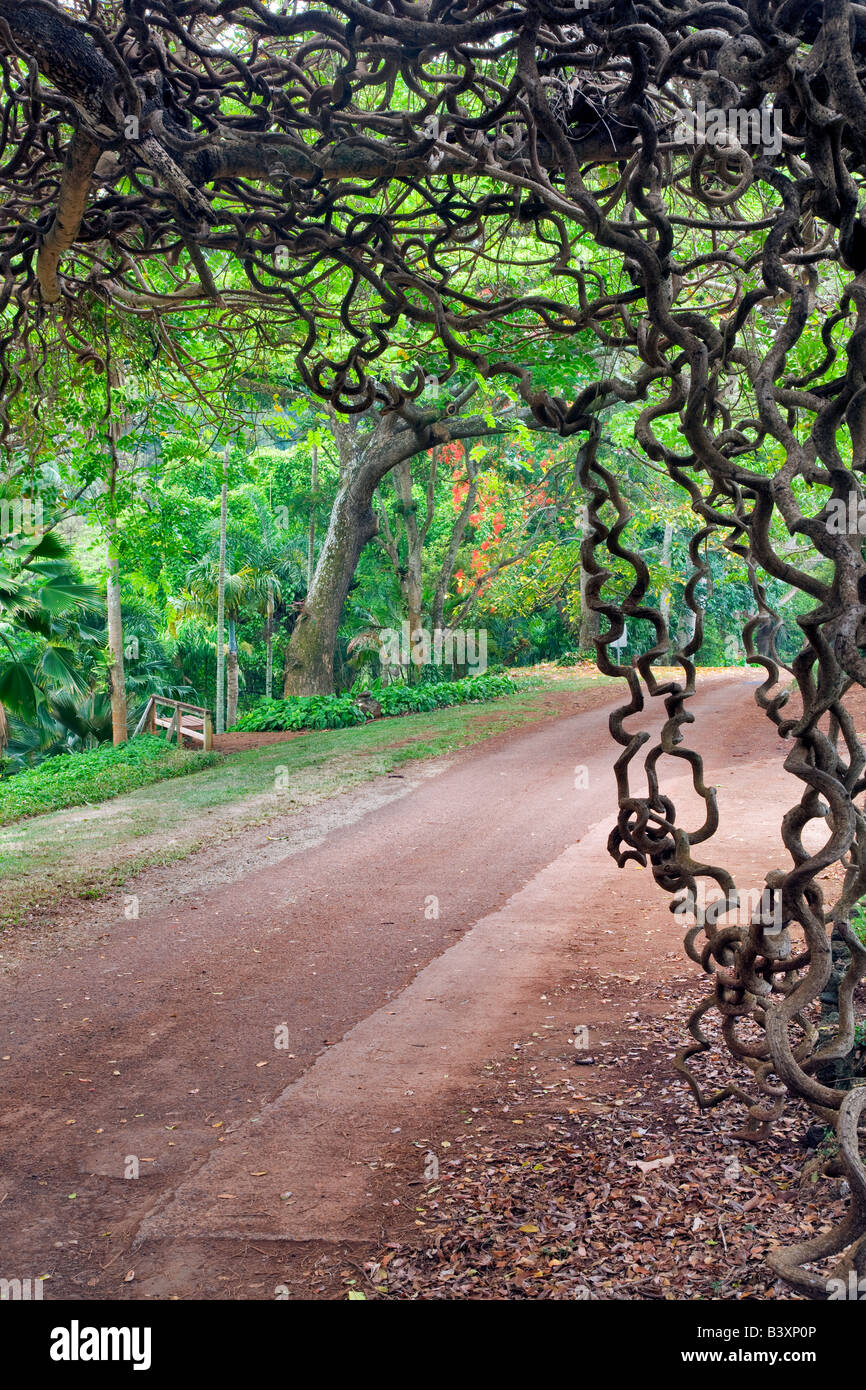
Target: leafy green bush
340,711
301,712
77,779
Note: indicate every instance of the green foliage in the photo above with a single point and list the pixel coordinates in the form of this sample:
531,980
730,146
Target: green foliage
405,699
43,611
340,711
515,572
79,779
301,712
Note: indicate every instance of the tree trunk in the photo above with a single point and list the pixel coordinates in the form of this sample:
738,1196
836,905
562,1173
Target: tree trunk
590,621
232,675
366,456
413,599
447,568
311,538
116,672
411,580
309,666
665,605
269,643
219,722
688,627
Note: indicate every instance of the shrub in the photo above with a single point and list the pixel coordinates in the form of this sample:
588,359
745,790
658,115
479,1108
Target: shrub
340,711
301,712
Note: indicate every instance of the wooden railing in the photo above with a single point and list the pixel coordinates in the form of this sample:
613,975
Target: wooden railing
186,721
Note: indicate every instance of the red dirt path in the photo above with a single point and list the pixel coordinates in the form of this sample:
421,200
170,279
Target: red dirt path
156,1041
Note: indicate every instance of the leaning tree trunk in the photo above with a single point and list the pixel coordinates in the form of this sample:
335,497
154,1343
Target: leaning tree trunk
365,458
309,666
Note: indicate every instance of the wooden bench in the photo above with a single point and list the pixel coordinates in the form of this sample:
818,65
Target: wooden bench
182,721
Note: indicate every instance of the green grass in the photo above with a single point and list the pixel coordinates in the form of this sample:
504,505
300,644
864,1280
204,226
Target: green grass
91,852
80,779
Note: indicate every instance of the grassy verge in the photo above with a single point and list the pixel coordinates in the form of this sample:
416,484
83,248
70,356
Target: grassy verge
82,779
90,852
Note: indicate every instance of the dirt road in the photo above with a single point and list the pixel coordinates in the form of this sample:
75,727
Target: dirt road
234,1069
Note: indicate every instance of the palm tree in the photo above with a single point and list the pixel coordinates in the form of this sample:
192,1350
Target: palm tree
262,572
276,568
200,600
41,602
152,666
76,723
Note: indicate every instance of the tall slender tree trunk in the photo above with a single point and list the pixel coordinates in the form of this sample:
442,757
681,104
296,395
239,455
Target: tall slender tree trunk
413,595
311,538
269,643
667,543
590,623
116,668
446,570
688,628
219,722
116,671
411,579
232,674
689,624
